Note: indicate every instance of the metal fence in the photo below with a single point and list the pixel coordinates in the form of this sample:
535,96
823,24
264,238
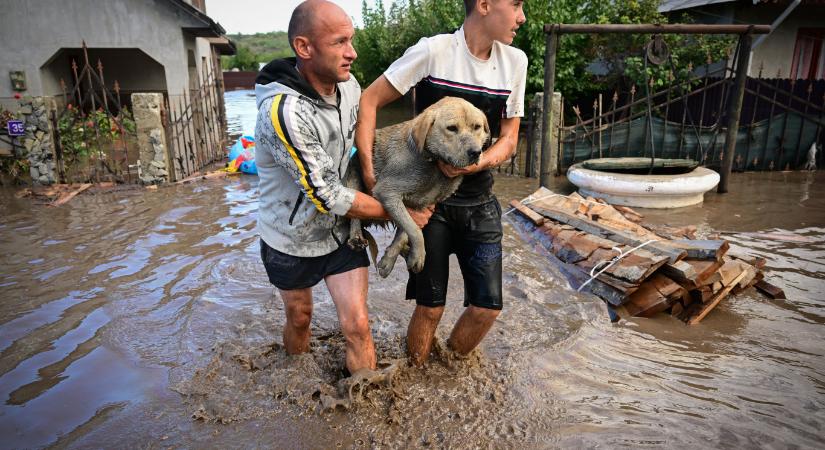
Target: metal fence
716,115
781,119
195,126
94,133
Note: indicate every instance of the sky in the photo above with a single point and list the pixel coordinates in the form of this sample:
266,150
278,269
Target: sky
261,16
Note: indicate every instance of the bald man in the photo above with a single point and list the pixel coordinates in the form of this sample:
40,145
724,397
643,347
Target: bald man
307,108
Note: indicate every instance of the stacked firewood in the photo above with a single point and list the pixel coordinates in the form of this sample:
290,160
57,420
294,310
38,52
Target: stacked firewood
638,270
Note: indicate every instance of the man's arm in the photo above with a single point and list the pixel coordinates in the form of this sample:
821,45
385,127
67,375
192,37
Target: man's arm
367,207
501,151
378,94
312,168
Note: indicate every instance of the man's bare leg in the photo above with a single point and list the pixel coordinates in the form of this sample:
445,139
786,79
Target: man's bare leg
349,293
471,328
421,332
298,308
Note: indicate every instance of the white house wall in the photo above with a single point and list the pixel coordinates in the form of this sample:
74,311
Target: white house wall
776,52
33,31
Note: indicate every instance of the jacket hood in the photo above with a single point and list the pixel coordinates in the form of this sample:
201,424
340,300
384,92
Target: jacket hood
281,76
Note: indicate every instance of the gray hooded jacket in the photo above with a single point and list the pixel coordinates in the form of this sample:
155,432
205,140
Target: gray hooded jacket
303,147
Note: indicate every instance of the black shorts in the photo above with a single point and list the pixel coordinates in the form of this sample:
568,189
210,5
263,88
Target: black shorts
289,272
473,233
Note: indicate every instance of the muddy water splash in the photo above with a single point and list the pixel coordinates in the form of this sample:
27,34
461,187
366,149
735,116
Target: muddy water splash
145,319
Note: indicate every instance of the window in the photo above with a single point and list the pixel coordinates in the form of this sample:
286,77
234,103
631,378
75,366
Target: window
809,54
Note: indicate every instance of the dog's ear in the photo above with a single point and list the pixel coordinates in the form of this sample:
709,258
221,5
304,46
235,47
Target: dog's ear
489,140
421,127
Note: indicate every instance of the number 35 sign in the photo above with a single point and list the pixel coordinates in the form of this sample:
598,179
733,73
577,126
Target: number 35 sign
16,128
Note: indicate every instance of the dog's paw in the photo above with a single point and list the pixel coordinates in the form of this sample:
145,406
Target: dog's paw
357,243
385,266
415,261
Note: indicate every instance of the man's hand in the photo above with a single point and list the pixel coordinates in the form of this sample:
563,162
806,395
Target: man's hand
421,216
369,181
451,171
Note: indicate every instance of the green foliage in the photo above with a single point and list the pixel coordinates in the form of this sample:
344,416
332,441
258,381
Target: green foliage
16,167
78,139
387,34
5,116
256,48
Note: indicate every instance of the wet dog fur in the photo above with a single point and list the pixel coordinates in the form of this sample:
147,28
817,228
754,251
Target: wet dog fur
405,160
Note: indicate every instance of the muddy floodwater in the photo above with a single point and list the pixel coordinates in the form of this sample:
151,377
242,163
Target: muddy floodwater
145,319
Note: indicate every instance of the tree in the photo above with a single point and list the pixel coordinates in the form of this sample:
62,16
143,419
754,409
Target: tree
387,34
243,59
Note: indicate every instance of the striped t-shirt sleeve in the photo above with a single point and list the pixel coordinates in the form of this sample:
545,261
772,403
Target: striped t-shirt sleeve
306,158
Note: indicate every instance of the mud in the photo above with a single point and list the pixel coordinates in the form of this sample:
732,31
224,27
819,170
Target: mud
145,319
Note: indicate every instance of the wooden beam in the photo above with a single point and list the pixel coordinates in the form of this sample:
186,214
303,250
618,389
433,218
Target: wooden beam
592,227
533,216
712,304
770,290
701,249
674,28
743,63
64,198
546,167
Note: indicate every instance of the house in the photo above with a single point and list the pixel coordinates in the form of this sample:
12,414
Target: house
144,45
794,49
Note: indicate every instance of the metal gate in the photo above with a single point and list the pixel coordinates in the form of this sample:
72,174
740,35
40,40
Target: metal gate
195,126
94,134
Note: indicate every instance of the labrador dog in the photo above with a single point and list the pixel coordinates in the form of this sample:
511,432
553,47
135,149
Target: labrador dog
405,159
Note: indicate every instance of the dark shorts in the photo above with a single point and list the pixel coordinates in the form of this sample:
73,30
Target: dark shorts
289,272
473,233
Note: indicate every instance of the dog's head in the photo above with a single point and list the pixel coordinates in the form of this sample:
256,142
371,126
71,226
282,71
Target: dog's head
452,130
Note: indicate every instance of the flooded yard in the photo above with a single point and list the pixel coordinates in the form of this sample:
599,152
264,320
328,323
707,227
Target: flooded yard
145,319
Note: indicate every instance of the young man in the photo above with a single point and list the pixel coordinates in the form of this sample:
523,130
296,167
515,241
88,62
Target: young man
475,63
307,108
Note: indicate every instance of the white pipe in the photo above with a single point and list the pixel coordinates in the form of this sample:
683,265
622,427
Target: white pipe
776,22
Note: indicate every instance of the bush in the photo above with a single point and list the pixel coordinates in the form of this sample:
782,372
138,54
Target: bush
77,132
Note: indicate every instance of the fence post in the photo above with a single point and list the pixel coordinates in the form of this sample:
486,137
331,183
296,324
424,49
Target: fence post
735,108
154,162
548,160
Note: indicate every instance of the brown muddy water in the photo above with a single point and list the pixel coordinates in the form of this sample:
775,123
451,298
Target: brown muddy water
145,319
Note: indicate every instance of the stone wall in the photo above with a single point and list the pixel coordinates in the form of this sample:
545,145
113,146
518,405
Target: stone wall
154,161
38,143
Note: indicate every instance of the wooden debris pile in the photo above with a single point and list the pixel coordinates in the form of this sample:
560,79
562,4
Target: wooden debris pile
607,251
60,194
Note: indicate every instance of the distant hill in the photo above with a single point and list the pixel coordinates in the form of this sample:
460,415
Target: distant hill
256,48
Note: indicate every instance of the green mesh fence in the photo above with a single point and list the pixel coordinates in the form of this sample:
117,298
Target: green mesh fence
775,144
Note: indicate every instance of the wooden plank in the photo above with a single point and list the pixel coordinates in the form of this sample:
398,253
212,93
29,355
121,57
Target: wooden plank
701,249
700,272
210,175
631,214
606,232
589,251
712,304
654,296
770,290
730,271
65,197
680,271
534,217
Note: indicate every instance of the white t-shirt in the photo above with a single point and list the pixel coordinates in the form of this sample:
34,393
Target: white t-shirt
442,66
445,61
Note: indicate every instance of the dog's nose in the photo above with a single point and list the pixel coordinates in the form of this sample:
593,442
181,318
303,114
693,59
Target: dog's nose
473,154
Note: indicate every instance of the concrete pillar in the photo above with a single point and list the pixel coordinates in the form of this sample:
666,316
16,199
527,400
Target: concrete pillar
154,159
